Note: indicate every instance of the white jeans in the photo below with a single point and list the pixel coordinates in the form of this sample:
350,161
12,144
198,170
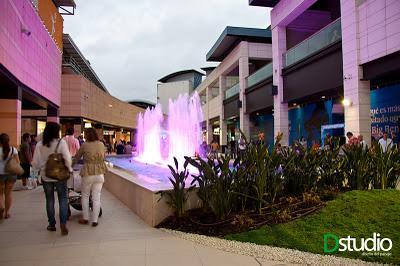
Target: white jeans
92,183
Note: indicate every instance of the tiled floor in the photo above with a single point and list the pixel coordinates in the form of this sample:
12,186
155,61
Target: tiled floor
120,239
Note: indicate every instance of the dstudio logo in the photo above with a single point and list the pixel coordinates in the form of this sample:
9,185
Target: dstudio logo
374,245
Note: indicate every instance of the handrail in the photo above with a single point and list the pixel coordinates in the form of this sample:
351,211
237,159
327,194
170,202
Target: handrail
260,75
232,91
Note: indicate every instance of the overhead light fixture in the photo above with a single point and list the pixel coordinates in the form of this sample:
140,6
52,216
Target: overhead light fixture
257,113
295,104
110,105
323,97
346,102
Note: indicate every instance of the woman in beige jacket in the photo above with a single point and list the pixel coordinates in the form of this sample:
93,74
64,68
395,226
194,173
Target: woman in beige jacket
92,174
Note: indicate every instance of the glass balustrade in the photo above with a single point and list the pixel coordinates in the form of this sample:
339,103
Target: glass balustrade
323,38
260,75
232,91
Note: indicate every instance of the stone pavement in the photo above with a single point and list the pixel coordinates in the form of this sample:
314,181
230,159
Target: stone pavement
120,239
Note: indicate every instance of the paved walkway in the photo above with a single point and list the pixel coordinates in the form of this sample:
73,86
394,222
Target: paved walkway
120,239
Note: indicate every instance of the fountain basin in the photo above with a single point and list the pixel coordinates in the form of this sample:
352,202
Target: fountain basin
136,184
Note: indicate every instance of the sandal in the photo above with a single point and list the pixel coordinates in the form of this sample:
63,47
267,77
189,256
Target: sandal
7,215
1,213
94,224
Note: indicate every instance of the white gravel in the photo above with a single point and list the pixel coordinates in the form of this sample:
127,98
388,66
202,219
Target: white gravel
267,252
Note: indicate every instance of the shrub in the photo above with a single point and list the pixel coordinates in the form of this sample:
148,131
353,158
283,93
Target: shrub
178,196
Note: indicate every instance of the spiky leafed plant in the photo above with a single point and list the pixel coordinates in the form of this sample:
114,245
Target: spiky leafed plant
178,196
358,167
216,185
331,168
387,168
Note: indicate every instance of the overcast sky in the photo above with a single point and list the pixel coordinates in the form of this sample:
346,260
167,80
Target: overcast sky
132,43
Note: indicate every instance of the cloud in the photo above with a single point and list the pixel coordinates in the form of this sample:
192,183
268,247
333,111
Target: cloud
132,43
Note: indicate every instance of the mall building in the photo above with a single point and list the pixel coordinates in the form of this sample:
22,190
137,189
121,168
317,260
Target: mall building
178,83
335,68
235,91
30,60
86,102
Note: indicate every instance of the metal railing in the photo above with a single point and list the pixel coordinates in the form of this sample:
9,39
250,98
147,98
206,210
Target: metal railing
260,75
323,38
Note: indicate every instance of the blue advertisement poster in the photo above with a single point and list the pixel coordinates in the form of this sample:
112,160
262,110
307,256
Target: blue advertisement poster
385,110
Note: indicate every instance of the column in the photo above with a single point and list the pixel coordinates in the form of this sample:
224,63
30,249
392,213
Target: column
10,119
243,74
53,114
357,115
209,128
222,122
281,119
10,114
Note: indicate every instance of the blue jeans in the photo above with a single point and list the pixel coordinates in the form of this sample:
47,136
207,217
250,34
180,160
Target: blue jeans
62,194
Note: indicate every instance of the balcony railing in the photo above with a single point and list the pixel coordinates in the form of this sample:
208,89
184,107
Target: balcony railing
232,91
323,38
260,75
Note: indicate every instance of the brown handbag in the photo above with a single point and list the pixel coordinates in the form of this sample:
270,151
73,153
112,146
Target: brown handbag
55,166
12,165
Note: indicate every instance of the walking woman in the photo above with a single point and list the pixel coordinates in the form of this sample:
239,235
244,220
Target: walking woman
7,180
92,174
50,144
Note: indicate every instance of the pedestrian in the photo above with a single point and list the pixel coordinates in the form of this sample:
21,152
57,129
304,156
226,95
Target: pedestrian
233,147
49,145
92,173
25,157
33,143
7,180
362,142
242,147
72,142
214,149
128,148
120,148
80,139
385,142
303,142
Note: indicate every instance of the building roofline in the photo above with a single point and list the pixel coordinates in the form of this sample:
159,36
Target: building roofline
80,63
178,73
264,3
231,36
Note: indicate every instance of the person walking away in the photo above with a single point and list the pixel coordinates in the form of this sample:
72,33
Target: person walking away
242,147
25,156
49,145
7,180
72,142
92,174
214,149
233,147
385,142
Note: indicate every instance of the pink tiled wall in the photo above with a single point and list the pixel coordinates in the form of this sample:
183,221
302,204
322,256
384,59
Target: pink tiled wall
379,28
35,59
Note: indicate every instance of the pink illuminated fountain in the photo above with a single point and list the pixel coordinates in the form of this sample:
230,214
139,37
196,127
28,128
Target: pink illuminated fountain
159,142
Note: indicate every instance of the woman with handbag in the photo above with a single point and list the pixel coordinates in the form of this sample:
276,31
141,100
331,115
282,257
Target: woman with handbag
92,174
9,169
49,154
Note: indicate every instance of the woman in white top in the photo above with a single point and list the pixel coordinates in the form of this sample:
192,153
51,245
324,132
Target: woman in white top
7,180
44,148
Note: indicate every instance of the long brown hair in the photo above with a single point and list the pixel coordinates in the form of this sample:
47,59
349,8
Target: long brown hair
51,131
5,142
91,134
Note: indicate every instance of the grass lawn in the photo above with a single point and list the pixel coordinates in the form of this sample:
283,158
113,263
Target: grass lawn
355,213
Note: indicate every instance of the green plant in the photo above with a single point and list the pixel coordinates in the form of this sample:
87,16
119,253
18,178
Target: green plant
387,168
178,196
331,169
358,167
216,185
